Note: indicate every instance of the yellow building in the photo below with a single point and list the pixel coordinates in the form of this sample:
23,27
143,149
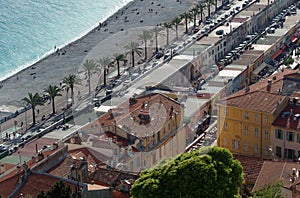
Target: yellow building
245,121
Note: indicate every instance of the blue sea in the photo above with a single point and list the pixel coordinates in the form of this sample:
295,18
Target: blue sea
29,29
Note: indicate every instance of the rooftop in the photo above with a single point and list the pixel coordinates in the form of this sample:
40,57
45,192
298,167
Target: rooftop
256,101
289,118
273,172
146,114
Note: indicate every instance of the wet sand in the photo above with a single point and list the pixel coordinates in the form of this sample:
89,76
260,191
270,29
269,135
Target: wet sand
53,68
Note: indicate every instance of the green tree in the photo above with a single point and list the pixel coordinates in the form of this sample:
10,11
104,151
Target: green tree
52,92
209,172
89,67
59,190
133,47
271,191
157,31
176,22
33,101
117,58
168,26
145,36
70,82
288,61
105,63
187,17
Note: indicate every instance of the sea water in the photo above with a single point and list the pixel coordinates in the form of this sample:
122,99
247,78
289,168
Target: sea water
32,29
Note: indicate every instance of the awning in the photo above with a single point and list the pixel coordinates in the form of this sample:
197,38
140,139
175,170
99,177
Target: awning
294,39
276,54
260,68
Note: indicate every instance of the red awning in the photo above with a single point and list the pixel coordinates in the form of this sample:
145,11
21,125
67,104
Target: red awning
276,54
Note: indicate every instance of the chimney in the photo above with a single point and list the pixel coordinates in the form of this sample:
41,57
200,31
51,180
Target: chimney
269,83
247,89
295,101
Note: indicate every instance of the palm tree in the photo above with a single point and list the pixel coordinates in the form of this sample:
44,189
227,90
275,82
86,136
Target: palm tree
52,92
133,47
208,4
147,35
157,32
89,67
176,22
105,62
70,81
168,26
33,101
118,58
187,17
201,10
194,12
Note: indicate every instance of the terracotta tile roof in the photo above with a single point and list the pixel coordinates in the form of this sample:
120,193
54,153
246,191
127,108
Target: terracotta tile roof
256,101
277,83
272,172
35,183
75,156
287,119
147,113
110,177
251,167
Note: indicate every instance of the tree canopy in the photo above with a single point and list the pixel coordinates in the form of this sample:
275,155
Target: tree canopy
208,172
59,190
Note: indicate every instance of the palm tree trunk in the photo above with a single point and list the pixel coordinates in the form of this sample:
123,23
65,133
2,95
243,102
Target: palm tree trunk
104,77
33,115
201,16
156,43
53,106
167,36
145,50
195,20
176,27
186,25
72,96
118,65
216,6
208,8
132,58
89,83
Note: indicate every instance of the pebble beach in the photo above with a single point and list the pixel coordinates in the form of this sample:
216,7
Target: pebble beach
62,62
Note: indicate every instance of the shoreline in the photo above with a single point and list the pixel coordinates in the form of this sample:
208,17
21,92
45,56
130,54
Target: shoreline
50,52
52,68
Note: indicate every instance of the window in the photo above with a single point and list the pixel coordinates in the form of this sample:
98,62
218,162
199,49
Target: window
255,148
256,132
266,134
246,130
266,119
246,146
225,111
246,115
225,141
169,126
225,126
266,151
278,134
256,117
278,151
298,137
289,153
290,136
235,144
138,161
